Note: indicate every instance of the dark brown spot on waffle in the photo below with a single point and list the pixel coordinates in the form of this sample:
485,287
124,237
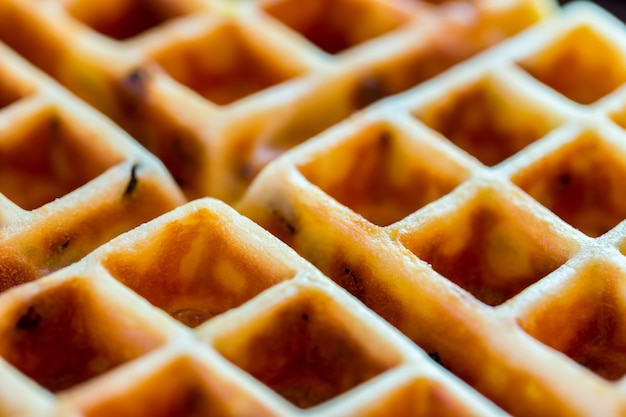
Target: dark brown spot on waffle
384,140
194,402
56,244
132,182
51,352
136,80
55,124
184,165
284,221
133,91
360,280
30,320
192,317
65,244
368,90
178,146
437,358
564,179
247,171
351,283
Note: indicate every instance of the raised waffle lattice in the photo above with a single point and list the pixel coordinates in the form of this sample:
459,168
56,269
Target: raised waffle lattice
216,89
482,214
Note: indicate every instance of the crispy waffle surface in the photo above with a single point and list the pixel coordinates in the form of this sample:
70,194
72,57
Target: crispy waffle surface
489,228
216,89
472,226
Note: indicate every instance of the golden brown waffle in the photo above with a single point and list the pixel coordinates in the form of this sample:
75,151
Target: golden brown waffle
300,342
216,89
70,180
481,214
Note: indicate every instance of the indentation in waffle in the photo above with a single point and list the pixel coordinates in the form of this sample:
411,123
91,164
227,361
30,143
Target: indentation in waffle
489,245
396,176
306,349
570,65
195,268
121,20
182,385
336,25
585,321
68,331
488,119
226,64
420,397
48,155
581,182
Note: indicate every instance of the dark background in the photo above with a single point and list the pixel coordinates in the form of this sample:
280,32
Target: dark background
616,7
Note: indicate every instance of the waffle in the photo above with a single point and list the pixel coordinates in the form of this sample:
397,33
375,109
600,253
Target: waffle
471,224
481,214
211,117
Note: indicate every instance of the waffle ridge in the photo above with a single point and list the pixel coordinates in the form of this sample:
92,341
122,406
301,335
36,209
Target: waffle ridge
312,208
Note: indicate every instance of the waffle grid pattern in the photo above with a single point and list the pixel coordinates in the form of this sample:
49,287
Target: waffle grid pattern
493,196
210,117
301,343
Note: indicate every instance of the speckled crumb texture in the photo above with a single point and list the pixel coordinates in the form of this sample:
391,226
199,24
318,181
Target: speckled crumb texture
312,208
